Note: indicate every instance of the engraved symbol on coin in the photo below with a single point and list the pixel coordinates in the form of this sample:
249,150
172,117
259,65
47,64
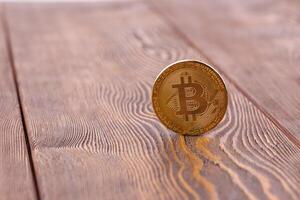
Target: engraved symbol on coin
191,98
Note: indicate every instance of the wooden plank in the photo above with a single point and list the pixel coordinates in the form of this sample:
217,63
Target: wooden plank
85,80
255,43
16,180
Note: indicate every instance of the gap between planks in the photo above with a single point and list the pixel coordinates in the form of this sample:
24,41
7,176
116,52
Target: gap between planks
19,99
189,42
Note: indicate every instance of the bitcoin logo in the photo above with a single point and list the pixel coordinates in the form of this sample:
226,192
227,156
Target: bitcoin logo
189,97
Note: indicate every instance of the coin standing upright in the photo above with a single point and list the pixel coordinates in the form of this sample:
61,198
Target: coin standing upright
189,97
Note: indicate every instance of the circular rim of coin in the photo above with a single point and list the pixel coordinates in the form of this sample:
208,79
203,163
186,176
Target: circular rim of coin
168,70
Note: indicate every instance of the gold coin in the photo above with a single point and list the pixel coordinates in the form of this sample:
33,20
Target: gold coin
189,97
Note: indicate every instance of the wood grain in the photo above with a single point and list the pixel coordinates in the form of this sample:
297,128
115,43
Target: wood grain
256,43
85,81
15,173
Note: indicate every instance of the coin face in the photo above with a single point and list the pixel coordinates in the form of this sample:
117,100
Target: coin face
189,97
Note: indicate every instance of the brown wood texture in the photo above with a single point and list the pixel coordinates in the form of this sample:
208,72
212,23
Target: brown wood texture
256,43
15,172
85,74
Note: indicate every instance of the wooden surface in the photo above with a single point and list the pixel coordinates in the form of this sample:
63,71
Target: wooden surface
84,73
16,179
256,43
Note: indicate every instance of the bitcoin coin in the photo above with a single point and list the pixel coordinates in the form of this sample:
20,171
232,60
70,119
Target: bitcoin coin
189,97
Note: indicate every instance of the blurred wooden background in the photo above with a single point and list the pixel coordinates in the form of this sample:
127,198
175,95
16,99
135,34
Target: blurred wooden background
76,115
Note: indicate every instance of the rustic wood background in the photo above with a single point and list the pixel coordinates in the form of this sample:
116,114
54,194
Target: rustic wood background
76,118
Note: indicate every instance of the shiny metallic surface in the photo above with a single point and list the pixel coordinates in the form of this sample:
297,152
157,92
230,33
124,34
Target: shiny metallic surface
189,97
